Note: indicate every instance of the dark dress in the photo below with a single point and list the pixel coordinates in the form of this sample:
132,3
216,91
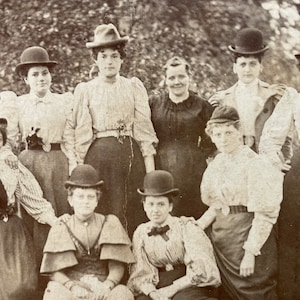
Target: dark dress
183,146
18,269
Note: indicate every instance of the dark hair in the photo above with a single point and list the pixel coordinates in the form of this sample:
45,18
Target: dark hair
120,48
23,72
258,56
169,196
210,126
71,189
4,135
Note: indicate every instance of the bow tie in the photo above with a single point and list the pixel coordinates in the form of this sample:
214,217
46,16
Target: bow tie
160,231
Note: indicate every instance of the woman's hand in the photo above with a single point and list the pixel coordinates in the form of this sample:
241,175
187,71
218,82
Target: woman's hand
156,295
79,292
247,264
168,291
64,218
12,161
102,293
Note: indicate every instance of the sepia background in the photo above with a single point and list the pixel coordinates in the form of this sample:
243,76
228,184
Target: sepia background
199,30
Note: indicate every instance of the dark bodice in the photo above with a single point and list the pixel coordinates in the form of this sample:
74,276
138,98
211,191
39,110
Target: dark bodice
184,121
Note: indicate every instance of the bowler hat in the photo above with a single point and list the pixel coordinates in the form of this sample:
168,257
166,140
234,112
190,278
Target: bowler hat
224,114
34,56
158,183
249,41
106,35
84,176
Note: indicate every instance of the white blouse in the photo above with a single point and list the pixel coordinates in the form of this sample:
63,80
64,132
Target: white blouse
247,179
102,108
187,244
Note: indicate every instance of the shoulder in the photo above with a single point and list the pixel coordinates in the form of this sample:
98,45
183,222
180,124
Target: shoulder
113,232
59,239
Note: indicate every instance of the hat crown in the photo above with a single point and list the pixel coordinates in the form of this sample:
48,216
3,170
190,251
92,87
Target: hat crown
158,183
249,41
84,176
223,114
106,35
34,54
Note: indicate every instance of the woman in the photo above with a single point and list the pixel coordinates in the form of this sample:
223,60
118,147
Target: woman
243,192
179,117
87,255
42,117
174,257
113,129
18,270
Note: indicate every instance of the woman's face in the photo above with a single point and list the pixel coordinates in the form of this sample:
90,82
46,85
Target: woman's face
247,69
109,62
177,80
39,80
226,138
84,202
157,208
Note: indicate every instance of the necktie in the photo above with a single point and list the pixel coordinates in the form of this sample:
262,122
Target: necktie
160,231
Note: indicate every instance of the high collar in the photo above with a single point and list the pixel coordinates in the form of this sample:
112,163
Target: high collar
108,80
37,99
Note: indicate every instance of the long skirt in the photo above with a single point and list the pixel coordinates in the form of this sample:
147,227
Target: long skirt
122,168
18,273
228,234
166,278
186,162
51,171
289,234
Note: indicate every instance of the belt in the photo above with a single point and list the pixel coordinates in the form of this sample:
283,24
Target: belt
114,133
236,209
53,146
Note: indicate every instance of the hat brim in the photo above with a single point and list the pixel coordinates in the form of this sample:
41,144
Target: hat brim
20,66
120,41
233,50
173,192
69,183
221,121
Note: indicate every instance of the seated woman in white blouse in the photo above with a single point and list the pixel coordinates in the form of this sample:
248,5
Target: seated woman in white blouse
174,257
243,192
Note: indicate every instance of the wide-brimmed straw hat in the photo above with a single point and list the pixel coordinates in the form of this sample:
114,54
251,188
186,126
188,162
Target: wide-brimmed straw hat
223,114
158,183
34,56
249,41
84,176
106,35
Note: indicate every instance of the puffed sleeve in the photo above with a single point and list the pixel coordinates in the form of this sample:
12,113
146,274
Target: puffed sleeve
30,196
280,125
68,141
9,111
265,188
143,275
80,125
201,266
143,130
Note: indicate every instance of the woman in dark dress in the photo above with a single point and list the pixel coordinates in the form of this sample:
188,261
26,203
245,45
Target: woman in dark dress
179,117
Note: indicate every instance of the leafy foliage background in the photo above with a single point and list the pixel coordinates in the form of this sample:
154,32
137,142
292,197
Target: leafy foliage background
198,30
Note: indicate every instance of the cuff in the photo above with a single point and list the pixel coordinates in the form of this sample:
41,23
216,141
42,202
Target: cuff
182,282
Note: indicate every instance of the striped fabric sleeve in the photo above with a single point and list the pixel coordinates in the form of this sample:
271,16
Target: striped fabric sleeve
30,196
